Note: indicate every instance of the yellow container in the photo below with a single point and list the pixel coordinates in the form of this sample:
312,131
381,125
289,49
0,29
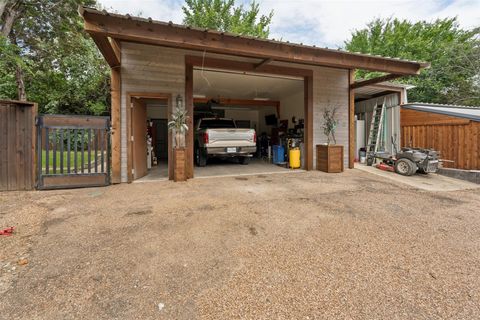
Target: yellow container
294,158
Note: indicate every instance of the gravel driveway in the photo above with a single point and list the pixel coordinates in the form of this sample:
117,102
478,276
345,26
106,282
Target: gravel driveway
283,246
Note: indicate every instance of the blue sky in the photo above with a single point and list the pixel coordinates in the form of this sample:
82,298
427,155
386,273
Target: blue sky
319,22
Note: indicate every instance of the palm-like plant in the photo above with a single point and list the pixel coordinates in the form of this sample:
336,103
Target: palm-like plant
178,124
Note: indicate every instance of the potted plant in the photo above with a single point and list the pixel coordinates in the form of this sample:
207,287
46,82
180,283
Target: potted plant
330,156
178,125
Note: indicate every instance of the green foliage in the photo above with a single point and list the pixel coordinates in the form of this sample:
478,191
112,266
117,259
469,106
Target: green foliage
63,70
222,15
454,54
179,120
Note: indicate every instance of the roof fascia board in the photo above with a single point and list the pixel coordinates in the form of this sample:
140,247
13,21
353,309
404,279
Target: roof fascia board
136,30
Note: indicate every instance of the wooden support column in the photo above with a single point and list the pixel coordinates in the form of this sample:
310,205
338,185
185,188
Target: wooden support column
308,131
116,131
351,120
189,106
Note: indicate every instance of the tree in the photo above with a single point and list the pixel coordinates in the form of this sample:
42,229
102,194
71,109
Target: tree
46,54
454,54
222,15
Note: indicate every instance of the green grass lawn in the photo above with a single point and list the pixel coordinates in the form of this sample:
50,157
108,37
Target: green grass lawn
72,160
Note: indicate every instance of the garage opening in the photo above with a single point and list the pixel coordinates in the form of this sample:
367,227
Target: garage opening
149,127
247,123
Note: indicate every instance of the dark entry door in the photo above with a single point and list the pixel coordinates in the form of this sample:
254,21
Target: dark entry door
161,138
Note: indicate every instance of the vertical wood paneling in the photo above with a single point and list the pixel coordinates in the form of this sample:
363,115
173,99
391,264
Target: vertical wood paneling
17,144
3,147
116,131
459,142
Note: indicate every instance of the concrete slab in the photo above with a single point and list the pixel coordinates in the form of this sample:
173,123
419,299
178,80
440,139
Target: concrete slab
428,182
220,168
226,168
157,173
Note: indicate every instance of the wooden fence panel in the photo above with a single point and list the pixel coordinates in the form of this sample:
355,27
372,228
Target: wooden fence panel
17,145
459,143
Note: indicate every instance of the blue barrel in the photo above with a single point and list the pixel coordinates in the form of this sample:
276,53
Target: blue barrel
278,154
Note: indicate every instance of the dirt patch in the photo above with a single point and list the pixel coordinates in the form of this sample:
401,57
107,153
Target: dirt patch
140,212
306,245
447,199
253,231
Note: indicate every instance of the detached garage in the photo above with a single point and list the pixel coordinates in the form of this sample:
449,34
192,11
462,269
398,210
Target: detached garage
279,89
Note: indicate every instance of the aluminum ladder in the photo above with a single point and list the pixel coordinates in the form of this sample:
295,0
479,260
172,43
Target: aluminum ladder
376,127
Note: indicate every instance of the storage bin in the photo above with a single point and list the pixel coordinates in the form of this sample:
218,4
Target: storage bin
278,154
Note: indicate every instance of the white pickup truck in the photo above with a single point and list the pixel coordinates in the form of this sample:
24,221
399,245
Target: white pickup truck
220,137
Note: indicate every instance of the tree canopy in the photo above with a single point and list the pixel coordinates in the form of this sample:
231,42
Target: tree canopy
454,54
46,57
223,15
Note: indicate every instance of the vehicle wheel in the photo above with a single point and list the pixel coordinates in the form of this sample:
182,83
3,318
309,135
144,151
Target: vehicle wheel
200,157
244,160
405,167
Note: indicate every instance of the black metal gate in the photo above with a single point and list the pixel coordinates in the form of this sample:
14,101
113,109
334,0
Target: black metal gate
72,151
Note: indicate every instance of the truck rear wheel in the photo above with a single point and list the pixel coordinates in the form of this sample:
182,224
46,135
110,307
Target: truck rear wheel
200,157
405,167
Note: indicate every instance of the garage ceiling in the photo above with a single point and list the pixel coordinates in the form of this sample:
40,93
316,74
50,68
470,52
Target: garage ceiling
212,83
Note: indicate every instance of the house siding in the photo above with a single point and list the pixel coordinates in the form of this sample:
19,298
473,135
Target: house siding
148,69
155,69
330,90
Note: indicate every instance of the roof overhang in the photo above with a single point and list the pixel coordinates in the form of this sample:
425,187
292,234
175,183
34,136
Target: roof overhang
465,112
106,28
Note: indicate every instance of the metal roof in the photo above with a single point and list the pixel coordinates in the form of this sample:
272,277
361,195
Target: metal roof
375,89
83,10
466,112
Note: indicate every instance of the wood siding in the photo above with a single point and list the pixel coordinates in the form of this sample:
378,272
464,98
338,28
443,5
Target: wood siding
148,69
17,145
157,69
457,139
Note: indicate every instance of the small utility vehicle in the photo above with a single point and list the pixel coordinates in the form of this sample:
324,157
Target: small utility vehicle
409,160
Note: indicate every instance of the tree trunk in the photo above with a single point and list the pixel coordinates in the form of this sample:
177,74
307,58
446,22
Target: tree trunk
21,93
19,76
11,13
3,4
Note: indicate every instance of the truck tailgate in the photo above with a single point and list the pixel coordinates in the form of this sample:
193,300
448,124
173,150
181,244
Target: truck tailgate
231,137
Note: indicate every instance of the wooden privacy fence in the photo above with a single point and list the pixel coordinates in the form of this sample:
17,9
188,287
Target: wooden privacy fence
72,151
17,145
457,139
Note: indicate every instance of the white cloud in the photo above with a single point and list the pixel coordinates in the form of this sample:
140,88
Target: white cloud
320,22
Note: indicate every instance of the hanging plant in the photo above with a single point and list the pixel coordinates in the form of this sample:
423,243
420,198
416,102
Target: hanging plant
178,125
330,123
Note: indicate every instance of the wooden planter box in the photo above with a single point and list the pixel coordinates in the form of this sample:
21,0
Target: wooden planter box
330,158
179,165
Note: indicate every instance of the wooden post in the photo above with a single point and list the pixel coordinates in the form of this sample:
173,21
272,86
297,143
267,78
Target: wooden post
116,131
189,106
351,120
308,134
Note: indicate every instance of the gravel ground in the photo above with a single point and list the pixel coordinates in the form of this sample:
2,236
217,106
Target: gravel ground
285,246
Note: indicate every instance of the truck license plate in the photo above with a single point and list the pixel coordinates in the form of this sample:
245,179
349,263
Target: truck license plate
231,150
